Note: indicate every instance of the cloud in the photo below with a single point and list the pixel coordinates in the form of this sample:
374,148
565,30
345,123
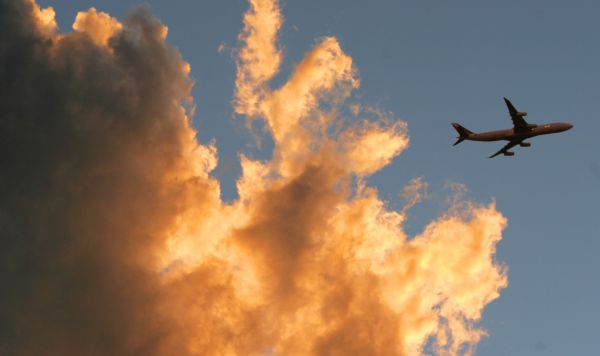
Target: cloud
260,58
99,158
115,240
98,25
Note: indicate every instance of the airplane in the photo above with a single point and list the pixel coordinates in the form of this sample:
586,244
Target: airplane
516,136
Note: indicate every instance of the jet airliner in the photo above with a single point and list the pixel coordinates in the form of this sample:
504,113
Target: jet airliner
516,136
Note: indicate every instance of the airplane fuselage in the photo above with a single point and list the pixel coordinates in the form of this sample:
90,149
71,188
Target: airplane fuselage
519,135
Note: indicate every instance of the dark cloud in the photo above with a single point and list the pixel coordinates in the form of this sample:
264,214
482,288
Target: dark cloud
87,136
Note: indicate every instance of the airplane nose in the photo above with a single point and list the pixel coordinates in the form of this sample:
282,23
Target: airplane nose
569,126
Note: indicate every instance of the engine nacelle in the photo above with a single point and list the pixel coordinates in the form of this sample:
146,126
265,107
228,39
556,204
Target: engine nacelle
508,153
521,113
525,144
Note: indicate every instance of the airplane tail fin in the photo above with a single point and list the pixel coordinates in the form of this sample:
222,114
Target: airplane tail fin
462,132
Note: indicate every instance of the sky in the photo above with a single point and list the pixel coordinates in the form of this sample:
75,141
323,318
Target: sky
428,64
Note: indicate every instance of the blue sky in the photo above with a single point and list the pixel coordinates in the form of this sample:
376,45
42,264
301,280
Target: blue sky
432,63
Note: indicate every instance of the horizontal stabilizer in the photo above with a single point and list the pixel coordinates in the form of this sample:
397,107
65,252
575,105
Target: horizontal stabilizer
463,133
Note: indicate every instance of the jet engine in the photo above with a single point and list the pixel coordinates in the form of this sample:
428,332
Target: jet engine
521,113
508,153
525,144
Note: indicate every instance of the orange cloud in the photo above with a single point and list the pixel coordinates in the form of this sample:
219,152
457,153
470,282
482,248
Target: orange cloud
44,18
98,25
260,58
117,241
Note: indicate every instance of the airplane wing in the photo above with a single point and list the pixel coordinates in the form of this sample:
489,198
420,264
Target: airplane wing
504,150
517,116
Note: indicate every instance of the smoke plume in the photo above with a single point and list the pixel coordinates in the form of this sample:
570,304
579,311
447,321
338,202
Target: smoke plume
114,239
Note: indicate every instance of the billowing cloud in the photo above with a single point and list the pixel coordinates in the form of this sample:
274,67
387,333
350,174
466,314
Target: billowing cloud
114,239
98,25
